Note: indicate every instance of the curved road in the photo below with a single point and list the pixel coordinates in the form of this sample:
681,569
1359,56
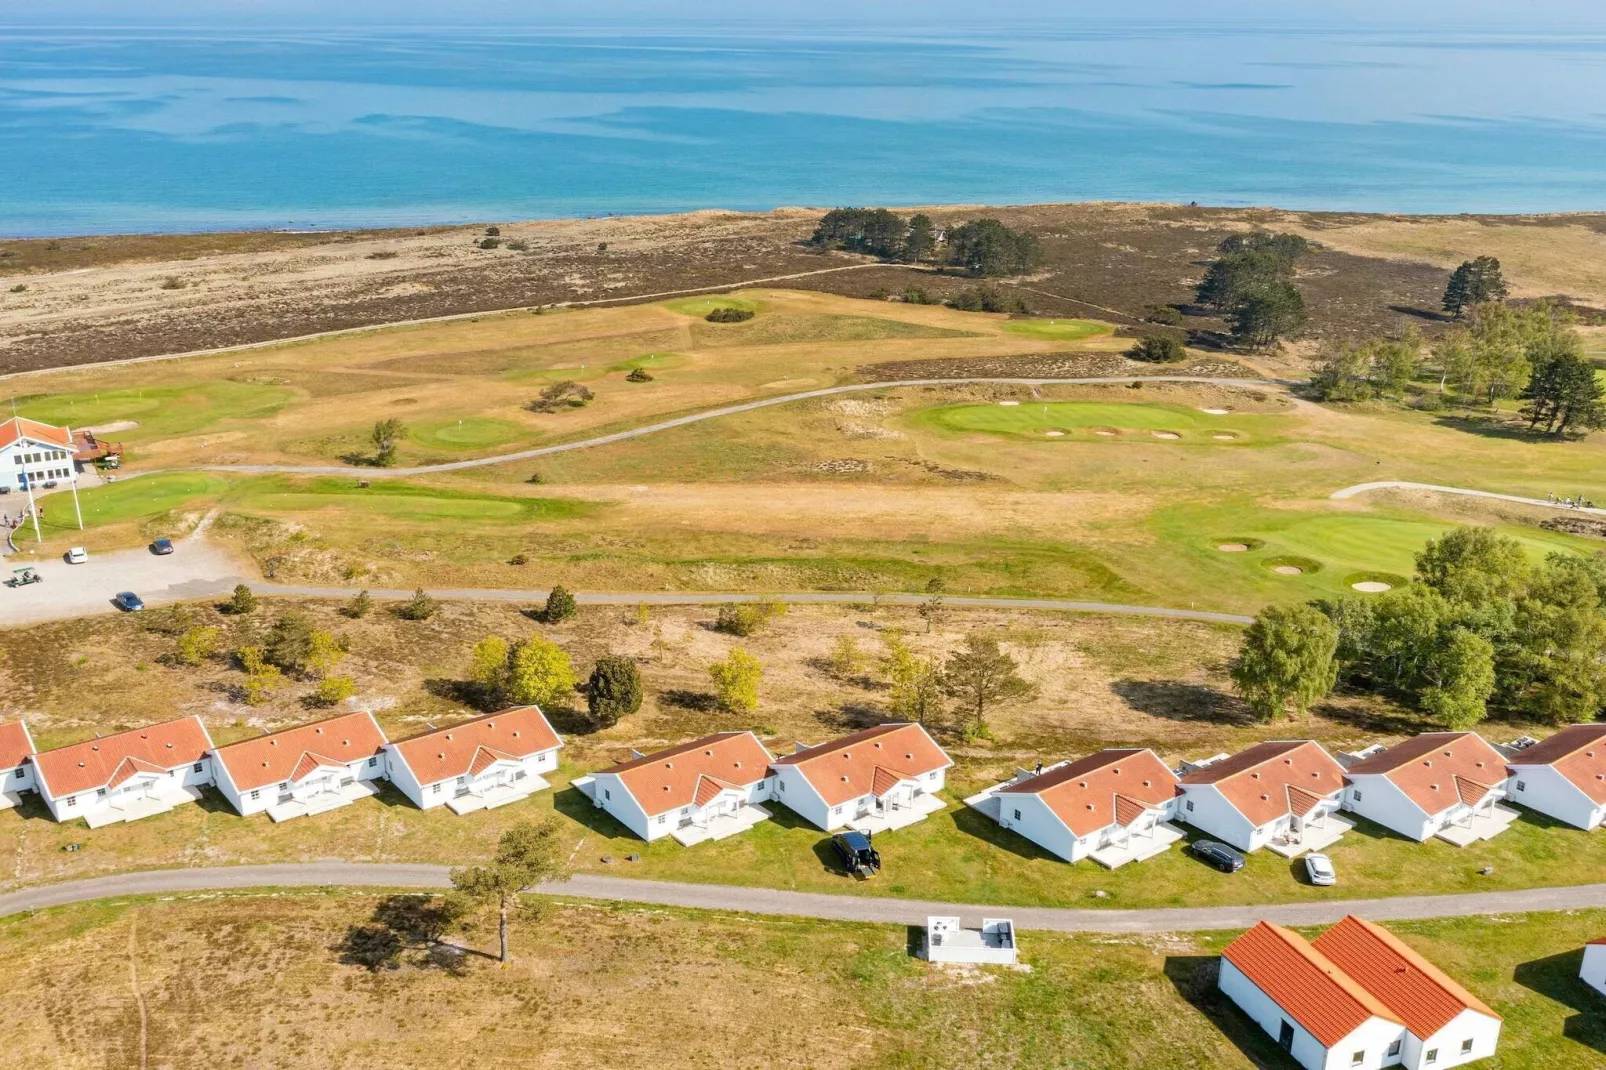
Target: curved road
1363,488
809,904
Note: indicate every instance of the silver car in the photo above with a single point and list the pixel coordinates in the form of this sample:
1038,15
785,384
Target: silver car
1319,868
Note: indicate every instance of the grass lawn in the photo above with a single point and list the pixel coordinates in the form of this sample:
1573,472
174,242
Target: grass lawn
180,982
1058,330
1080,422
132,499
472,434
161,411
702,306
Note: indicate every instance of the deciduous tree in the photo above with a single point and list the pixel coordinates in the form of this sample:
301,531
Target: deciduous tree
539,673
613,691
1286,660
528,854
736,681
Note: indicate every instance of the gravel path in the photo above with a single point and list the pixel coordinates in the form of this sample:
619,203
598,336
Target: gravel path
810,904
1363,488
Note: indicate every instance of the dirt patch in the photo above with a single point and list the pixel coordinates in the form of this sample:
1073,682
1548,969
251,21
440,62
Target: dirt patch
1588,526
1044,366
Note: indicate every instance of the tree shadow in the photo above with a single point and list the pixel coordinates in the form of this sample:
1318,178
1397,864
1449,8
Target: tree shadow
1556,977
408,930
570,720
973,822
1374,721
1194,977
1491,426
1177,700
852,716
463,692
1421,313
686,699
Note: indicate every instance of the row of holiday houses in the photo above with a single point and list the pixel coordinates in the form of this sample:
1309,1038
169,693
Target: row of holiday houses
1115,806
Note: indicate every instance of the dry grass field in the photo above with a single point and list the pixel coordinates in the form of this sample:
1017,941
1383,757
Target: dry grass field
259,981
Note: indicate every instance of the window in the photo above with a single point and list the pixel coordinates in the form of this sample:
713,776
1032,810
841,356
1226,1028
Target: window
933,774
20,772
373,761
72,800
606,794
256,795
1357,796
1190,806
1522,785
783,784
1466,1046
660,819
835,810
1017,815
100,793
196,767
436,789
1394,1048
684,810
1431,1057
1358,1058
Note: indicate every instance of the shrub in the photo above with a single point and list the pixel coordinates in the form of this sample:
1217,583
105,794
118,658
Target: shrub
558,395
745,618
243,601
518,245
420,607
518,559
729,315
602,247
21,287
1168,315
846,660
359,606
914,295
613,691
261,678
489,243
987,299
383,254
333,690
172,282
493,232
736,681
560,605
1158,349
197,645
639,375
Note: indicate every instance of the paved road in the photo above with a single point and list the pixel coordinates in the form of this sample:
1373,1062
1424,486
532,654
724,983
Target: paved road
1363,488
809,904
682,421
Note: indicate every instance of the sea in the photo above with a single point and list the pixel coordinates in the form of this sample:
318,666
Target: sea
184,128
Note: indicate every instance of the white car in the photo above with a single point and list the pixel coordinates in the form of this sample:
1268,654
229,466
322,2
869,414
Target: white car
77,555
1319,868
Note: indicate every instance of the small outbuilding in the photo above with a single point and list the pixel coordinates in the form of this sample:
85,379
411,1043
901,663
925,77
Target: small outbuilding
1444,784
133,774
476,765
994,943
1593,971
16,763
309,769
876,780
1564,777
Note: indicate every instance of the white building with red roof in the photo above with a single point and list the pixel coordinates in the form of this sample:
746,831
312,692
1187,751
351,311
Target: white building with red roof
1356,997
16,763
706,789
309,769
1593,970
127,776
875,780
476,765
1564,777
1283,795
1113,807
1444,784
32,454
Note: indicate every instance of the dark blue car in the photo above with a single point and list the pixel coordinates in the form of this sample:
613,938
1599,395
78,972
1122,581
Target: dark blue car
129,602
162,547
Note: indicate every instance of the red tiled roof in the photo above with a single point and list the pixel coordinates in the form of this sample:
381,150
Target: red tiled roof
17,428
1300,801
1255,780
1427,768
1601,940
670,779
486,757
443,753
92,763
708,790
15,744
1416,991
130,767
1577,752
1305,983
281,756
846,768
1087,794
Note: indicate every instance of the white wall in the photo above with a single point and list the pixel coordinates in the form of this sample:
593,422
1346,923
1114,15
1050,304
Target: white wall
610,794
1543,788
1594,969
90,801
800,796
1042,826
1482,1030
268,794
402,776
17,778
1372,1037
58,461
1377,798
1205,808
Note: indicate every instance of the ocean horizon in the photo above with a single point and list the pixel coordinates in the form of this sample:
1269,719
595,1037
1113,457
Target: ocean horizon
164,129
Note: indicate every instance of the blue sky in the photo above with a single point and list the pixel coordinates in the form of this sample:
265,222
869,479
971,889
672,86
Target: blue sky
1444,14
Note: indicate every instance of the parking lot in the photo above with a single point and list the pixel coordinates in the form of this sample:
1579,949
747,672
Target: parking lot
195,569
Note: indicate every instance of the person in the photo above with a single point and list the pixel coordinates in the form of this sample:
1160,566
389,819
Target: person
1039,768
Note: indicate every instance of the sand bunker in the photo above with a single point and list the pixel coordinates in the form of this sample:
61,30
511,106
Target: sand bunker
1216,412
1372,586
1106,434
1009,403
114,427
1289,570
1225,436
1055,434
1233,548
1165,434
